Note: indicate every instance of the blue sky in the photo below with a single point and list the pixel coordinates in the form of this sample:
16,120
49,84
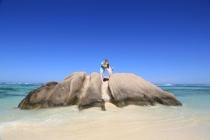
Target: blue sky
165,41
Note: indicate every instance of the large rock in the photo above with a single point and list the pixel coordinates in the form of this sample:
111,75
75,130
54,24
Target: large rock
38,97
62,94
89,91
130,89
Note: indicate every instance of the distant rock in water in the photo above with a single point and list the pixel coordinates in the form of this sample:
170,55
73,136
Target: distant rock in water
86,91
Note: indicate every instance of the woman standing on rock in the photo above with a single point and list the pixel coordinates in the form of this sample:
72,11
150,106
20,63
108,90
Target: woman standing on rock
102,69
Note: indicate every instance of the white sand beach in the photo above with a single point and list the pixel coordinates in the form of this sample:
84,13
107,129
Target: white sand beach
131,122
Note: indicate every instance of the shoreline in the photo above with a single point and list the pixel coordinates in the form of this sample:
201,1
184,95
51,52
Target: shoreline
131,122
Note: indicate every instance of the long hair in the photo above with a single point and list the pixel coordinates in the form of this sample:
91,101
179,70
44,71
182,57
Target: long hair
107,65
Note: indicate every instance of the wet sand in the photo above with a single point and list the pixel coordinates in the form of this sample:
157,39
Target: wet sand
131,122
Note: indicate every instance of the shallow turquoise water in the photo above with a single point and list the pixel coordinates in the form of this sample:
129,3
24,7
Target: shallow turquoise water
192,96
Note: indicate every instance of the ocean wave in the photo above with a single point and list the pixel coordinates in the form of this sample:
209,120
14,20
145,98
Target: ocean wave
32,83
192,85
21,83
6,95
8,124
184,85
4,125
169,85
7,88
164,84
